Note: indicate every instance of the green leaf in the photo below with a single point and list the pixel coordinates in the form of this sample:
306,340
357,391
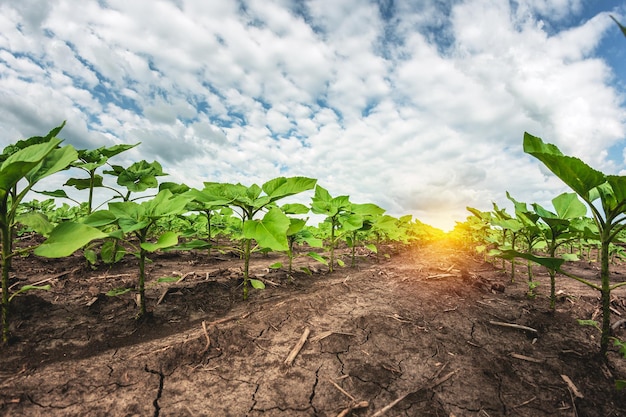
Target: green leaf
295,208
36,221
579,176
317,257
568,206
276,265
306,270
168,279
372,247
295,226
166,204
193,244
620,384
100,218
280,187
570,257
367,209
591,323
270,232
550,263
118,291
340,262
17,165
67,238
140,176
256,284
55,193
350,222
26,288
111,252
166,240
85,183
57,160
621,27
91,256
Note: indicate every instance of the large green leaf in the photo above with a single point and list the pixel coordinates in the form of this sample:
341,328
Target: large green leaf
166,240
280,187
550,263
295,226
19,164
295,208
166,204
579,176
140,176
269,232
67,238
85,183
99,218
367,209
568,206
350,222
57,160
618,187
36,221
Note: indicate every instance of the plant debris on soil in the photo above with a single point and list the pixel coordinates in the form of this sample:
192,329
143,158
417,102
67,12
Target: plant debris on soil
428,331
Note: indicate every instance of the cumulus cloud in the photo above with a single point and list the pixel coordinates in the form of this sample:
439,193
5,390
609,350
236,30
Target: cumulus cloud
419,107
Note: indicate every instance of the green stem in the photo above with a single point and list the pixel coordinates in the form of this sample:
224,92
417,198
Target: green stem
142,272
90,198
552,273
6,266
246,267
353,250
332,245
605,294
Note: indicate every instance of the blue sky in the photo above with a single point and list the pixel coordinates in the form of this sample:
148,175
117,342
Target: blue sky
417,106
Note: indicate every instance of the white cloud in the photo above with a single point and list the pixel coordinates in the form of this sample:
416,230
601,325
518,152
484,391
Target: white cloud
419,107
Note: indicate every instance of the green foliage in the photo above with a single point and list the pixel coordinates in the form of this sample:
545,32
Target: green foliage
26,163
138,219
270,232
25,288
604,195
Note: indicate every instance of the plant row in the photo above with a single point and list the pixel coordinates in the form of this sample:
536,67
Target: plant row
174,217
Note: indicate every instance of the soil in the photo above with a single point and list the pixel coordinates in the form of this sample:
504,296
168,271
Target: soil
416,333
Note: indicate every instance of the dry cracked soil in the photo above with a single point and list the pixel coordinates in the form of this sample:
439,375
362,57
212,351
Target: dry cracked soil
418,333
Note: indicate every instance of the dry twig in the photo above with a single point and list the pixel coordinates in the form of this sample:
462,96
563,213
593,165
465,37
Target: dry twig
208,339
294,352
573,389
526,358
512,325
432,385
354,406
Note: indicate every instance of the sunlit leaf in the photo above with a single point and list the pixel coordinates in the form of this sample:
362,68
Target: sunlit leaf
67,238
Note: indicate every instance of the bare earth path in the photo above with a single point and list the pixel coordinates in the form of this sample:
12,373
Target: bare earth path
421,328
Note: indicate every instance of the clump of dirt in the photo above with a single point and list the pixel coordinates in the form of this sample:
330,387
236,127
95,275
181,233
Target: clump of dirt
431,331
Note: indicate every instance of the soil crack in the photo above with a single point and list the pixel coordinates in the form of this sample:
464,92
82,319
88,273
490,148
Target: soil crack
317,379
157,408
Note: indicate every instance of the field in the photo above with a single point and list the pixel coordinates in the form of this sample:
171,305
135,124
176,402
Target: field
418,333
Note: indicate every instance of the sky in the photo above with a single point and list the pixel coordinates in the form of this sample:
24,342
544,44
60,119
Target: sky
417,106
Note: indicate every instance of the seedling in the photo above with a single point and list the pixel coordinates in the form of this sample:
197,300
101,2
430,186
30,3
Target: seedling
605,196
137,220
30,160
270,232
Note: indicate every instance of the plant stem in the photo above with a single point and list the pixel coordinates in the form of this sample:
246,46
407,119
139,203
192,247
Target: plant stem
605,292
142,273
353,249
246,267
332,244
552,273
6,265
